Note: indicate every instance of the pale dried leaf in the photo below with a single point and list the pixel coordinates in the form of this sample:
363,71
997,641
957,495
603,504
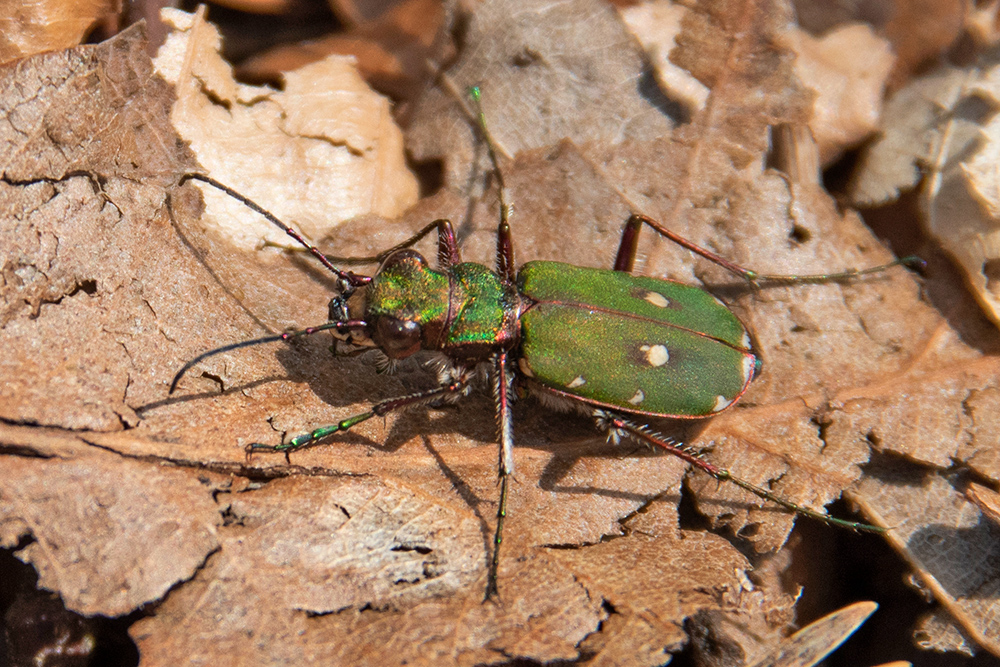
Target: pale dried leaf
944,123
912,128
323,150
656,24
847,68
953,549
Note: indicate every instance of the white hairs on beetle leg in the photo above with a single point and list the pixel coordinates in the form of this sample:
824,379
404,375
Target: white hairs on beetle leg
636,432
504,419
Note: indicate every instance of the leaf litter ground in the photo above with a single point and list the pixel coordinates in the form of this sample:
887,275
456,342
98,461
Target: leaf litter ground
376,545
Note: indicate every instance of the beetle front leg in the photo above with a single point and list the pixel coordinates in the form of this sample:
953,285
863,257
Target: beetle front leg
380,409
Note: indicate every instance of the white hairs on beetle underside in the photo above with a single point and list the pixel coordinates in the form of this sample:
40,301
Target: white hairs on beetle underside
385,365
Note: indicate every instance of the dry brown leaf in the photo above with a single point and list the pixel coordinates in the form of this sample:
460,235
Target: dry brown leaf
393,50
952,548
820,16
821,637
986,499
258,6
582,573
921,31
582,82
27,28
108,534
846,68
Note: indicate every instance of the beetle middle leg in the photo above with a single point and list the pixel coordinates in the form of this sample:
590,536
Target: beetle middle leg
505,464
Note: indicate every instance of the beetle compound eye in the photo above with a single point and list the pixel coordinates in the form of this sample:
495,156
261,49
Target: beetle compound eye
397,338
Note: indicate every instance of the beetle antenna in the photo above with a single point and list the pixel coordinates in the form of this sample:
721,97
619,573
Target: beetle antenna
477,99
350,278
348,324
910,261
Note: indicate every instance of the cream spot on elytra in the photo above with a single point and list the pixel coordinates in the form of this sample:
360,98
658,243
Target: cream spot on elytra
721,403
657,299
656,355
578,381
638,398
749,362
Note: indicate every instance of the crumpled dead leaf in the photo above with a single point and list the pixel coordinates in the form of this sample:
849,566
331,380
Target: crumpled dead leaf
986,499
394,45
322,150
919,31
596,562
847,68
656,25
102,545
953,549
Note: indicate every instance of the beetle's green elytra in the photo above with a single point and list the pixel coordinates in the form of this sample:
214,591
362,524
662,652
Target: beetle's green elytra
615,346
644,345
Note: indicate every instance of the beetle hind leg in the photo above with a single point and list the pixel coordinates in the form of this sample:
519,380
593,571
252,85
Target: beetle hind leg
623,427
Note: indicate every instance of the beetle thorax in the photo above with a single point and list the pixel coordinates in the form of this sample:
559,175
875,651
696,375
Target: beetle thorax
465,311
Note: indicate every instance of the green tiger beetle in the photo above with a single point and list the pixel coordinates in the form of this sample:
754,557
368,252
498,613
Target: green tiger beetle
641,347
